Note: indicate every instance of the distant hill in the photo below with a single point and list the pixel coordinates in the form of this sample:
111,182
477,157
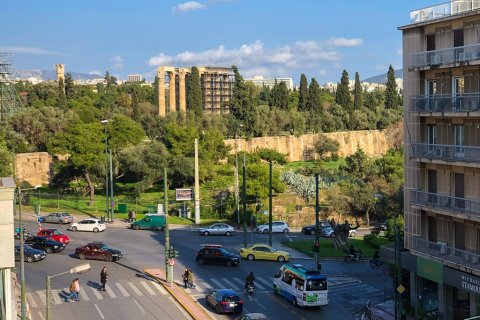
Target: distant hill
382,78
51,75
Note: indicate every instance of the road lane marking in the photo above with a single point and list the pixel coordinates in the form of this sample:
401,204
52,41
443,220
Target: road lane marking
40,314
242,284
159,288
56,297
31,300
262,306
205,284
180,308
110,292
139,306
135,289
257,284
99,311
84,296
41,293
147,288
231,284
265,282
122,290
97,293
217,283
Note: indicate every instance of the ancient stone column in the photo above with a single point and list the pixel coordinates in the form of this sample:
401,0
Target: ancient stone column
161,92
173,97
60,69
182,72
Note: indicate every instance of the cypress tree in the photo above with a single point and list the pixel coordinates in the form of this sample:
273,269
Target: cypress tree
69,86
391,93
343,93
241,107
61,98
314,96
194,92
357,93
155,92
303,93
282,95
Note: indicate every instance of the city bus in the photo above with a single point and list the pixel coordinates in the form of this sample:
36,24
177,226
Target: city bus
301,286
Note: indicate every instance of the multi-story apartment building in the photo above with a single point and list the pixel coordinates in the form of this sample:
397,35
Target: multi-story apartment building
441,86
270,82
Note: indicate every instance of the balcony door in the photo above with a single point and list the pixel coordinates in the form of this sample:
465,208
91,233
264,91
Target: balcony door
458,89
432,187
459,191
459,236
459,138
432,229
430,91
432,139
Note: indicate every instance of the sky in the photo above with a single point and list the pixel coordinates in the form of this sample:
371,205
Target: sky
271,38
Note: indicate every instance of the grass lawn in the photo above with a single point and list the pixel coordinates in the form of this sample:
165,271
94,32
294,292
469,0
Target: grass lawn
328,251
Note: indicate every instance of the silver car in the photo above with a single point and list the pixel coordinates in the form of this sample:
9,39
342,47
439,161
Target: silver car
58,217
217,228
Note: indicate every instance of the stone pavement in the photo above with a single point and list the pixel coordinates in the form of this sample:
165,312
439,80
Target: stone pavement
186,301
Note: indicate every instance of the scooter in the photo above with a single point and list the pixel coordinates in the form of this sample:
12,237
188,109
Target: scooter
250,289
354,257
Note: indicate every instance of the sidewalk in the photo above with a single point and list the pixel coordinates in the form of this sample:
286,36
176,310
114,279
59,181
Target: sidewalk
194,310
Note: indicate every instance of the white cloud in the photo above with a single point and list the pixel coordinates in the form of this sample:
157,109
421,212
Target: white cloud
344,42
322,72
28,50
117,62
96,72
189,6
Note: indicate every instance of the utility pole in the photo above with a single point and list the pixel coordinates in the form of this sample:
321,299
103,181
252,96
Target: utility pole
107,201
270,195
317,225
235,173
22,259
244,196
112,201
398,264
168,274
197,186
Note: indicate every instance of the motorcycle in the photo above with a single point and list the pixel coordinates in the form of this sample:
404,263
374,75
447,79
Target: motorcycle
250,289
374,263
354,257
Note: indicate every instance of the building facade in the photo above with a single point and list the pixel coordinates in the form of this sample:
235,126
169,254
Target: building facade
441,86
270,82
216,84
134,78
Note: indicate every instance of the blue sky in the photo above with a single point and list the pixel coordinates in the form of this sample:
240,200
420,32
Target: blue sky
262,37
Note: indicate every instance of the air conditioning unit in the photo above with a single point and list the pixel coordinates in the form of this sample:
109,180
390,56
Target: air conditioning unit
443,247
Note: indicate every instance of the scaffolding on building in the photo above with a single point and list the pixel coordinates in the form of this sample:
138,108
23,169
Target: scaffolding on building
10,102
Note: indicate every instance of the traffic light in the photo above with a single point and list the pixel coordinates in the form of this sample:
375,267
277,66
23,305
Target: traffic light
316,246
172,253
175,253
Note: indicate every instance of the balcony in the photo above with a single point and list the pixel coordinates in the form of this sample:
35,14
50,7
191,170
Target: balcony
443,251
446,152
443,10
445,203
467,102
446,56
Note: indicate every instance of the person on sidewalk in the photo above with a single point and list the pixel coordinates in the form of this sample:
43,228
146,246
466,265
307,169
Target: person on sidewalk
185,278
134,216
74,290
103,279
129,216
190,279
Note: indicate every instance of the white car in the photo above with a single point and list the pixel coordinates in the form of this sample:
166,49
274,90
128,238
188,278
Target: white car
277,226
93,225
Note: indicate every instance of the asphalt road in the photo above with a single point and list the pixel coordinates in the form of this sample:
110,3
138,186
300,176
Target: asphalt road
131,296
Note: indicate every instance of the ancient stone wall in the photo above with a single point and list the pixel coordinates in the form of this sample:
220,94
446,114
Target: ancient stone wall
373,142
33,168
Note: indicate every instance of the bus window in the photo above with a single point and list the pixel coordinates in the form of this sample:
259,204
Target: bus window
287,277
299,284
316,284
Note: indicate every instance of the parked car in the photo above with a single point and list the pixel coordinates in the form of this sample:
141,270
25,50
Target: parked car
277,226
45,243
263,252
30,254
155,222
225,301
382,226
57,217
217,229
252,316
311,228
55,234
327,232
215,254
93,225
98,251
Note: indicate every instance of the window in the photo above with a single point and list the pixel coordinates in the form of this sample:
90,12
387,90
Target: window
459,137
431,137
316,284
430,42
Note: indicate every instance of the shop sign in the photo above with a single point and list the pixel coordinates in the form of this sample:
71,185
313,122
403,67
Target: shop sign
462,280
430,270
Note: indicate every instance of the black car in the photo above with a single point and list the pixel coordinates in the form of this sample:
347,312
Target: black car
45,243
30,254
225,300
311,228
215,254
382,226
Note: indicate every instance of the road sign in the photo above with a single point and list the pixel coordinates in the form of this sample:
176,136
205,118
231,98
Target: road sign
171,262
401,289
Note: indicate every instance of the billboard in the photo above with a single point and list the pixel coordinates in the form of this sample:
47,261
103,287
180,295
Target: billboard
183,194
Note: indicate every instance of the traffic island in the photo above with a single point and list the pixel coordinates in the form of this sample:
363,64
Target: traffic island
191,306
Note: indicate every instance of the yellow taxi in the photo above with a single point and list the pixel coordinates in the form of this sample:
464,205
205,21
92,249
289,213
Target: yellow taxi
263,252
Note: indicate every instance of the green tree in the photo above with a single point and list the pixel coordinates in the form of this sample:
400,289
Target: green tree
123,131
314,96
303,94
357,93
61,98
100,88
111,80
155,92
194,92
324,146
69,86
241,107
343,92
391,93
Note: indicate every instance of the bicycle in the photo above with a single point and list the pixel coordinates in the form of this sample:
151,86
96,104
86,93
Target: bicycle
364,312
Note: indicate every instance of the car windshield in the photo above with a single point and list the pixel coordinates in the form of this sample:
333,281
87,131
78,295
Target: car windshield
224,252
57,232
27,247
316,284
105,247
232,298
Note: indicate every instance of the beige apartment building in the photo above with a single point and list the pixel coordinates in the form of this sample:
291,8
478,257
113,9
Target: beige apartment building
216,84
441,58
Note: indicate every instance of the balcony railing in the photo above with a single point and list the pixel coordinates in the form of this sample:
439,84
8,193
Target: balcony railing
446,152
443,10
445,203
445,252
467,102
445,56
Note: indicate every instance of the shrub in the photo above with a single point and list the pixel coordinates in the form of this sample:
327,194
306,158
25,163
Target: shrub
271,155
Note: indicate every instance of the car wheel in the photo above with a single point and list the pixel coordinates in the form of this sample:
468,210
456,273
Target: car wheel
229,263
251,257
353,234
312,232
281,258
158,228
107,258
74,228
59,221
285,230
276,290
136,227
228,233
265,231
48,250
201,261
29,259
95,229
81,256
206,233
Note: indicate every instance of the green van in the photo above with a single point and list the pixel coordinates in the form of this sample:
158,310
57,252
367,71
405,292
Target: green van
155,222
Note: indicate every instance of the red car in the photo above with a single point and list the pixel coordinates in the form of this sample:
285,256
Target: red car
55,234
98,251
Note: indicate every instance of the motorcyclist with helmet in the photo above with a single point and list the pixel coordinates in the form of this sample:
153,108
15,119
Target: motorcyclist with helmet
249,280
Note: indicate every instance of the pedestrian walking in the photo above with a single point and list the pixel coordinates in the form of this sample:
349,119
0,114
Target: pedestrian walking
134,216
130,216
74,290
185,278
103,279
190,279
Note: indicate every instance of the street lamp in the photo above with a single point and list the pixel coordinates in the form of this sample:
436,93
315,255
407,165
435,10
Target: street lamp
48,290
105,122
236,174
22,252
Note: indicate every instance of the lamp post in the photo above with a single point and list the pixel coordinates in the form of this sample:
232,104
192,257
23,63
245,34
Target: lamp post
236,174
244,196
317,225
107,202
48,290
22,253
